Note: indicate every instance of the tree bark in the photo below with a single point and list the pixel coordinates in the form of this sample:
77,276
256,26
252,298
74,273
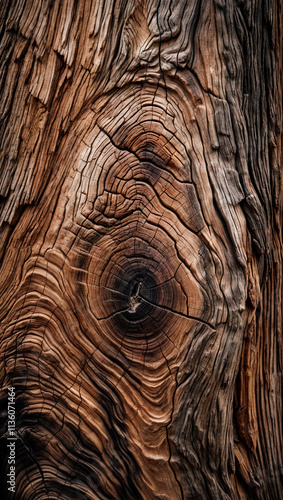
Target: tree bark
141,248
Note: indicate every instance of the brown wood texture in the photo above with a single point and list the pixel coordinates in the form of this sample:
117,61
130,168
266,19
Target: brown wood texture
141,248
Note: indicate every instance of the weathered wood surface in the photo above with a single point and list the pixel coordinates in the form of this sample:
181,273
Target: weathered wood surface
141,246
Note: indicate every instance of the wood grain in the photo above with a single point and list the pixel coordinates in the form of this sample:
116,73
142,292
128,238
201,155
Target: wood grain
141,248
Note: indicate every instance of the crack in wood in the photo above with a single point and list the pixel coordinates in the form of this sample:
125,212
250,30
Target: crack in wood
135,299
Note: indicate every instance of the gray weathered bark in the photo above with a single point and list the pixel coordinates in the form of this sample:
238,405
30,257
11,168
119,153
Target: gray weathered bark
141,247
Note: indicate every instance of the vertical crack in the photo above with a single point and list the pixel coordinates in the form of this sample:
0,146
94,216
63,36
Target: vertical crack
135,299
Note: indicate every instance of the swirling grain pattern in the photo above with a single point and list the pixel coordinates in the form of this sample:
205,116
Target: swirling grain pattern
141,249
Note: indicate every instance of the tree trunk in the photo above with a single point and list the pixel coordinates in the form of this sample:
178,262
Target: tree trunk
141,249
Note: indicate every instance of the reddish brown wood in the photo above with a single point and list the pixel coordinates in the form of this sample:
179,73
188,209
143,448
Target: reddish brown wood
141,248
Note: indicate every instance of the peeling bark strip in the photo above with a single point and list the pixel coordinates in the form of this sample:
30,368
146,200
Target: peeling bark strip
141,247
